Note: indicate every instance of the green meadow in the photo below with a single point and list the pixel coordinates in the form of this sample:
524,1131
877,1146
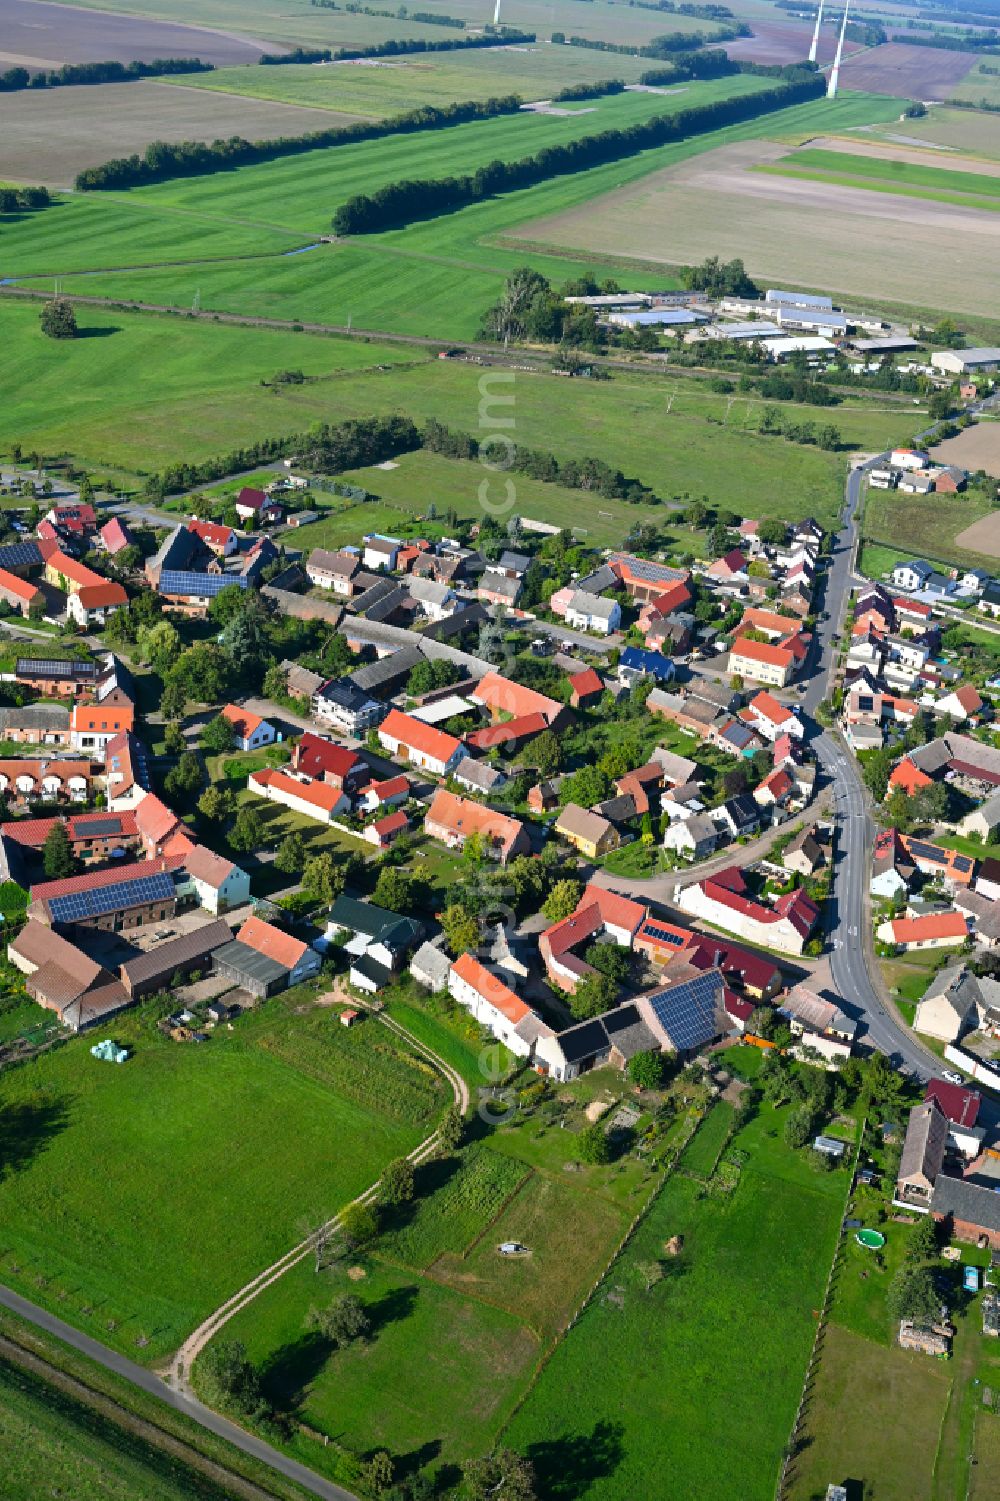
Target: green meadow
428,78
135,1199
647,1381
938,184
201,395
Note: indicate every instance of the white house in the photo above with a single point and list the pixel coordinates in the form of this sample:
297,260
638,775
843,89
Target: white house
591,612
913,575
381,552
494,1005
316,800
421,744
219,885
435,599
250,731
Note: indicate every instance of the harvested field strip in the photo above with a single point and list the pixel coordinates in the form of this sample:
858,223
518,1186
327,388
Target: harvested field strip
986,204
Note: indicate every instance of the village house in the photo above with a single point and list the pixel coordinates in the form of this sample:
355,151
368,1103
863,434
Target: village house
960,1106
35,724
420,744
325,761
253,506
923,1153
114,900
637,663
219,539
599,914
379,943
764,662
380,797
591,612
453,820
250,732
48,780
19,593
333,570
586,689
693,838
586,831
348,706
936,930
969,1211
770,719
494,1005
94,604
721,899
317,800
61,977
804,854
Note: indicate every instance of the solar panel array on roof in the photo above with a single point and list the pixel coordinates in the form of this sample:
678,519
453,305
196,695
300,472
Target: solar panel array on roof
962,863
687,1012
925,851
663,935
20,555
81,905
95,826
641,568
53,667
184,581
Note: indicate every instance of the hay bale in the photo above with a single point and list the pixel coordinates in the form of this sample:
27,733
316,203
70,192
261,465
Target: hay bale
674,1246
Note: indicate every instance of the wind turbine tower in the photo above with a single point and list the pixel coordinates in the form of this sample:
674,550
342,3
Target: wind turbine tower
831,92
815,40
496,14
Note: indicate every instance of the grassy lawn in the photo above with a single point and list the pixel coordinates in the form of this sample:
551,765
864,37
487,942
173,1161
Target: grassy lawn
571,1235
875,1415
159,1225
700,1156
439,1375
908,975
924,526
984,1477
691,1358
457,1198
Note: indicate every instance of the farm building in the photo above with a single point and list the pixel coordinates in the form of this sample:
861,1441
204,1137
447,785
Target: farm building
965,361
264,960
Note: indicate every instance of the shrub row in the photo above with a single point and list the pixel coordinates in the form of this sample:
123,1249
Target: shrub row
162,159
408,199
423,16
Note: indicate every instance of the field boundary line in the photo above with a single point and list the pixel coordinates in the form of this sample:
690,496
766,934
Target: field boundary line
822,1321
591,1293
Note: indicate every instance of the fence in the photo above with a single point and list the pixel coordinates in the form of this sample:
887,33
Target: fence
973,1066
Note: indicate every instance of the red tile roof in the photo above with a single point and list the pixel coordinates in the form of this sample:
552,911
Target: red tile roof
320,794
909,777
154,819
461,816
211,532
243,721
934,925
493,991
251,498
272,942
391,787
768,707
415,735
959,1104
18,586
586,682
101,719
115,535
317,757
135,870
101,596
73,569
501,696
519,728
391,824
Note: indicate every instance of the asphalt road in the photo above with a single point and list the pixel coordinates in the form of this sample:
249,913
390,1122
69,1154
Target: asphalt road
846,910
189,1406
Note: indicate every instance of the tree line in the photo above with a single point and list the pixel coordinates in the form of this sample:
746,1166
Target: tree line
398,47
984,42
12,200
168,159
401,202
355,444
659,46
400,14
589,474
15,79
590,90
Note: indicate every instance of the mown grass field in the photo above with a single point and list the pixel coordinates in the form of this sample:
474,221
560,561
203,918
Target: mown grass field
54,1446
201,395
276,204
876,1413
147,1193
645,1383
958,129
534,72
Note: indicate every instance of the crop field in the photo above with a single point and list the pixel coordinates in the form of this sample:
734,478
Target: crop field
823,233
875,1412
977,447
473,1190
54,1446
397,84
49,135
38,35
281,204
292,22
976,184
690,1358
909,72
125,1240
931,525
202,396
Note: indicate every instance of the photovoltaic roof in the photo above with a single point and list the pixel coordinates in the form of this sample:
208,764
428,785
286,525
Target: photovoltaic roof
20,555
186,581
687,1012
55,667
664,935
79,906
108,824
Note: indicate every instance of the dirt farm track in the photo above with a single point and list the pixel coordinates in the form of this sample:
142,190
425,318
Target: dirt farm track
36,35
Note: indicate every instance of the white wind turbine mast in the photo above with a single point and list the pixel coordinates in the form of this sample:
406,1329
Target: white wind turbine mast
496,14
831,92
815,40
